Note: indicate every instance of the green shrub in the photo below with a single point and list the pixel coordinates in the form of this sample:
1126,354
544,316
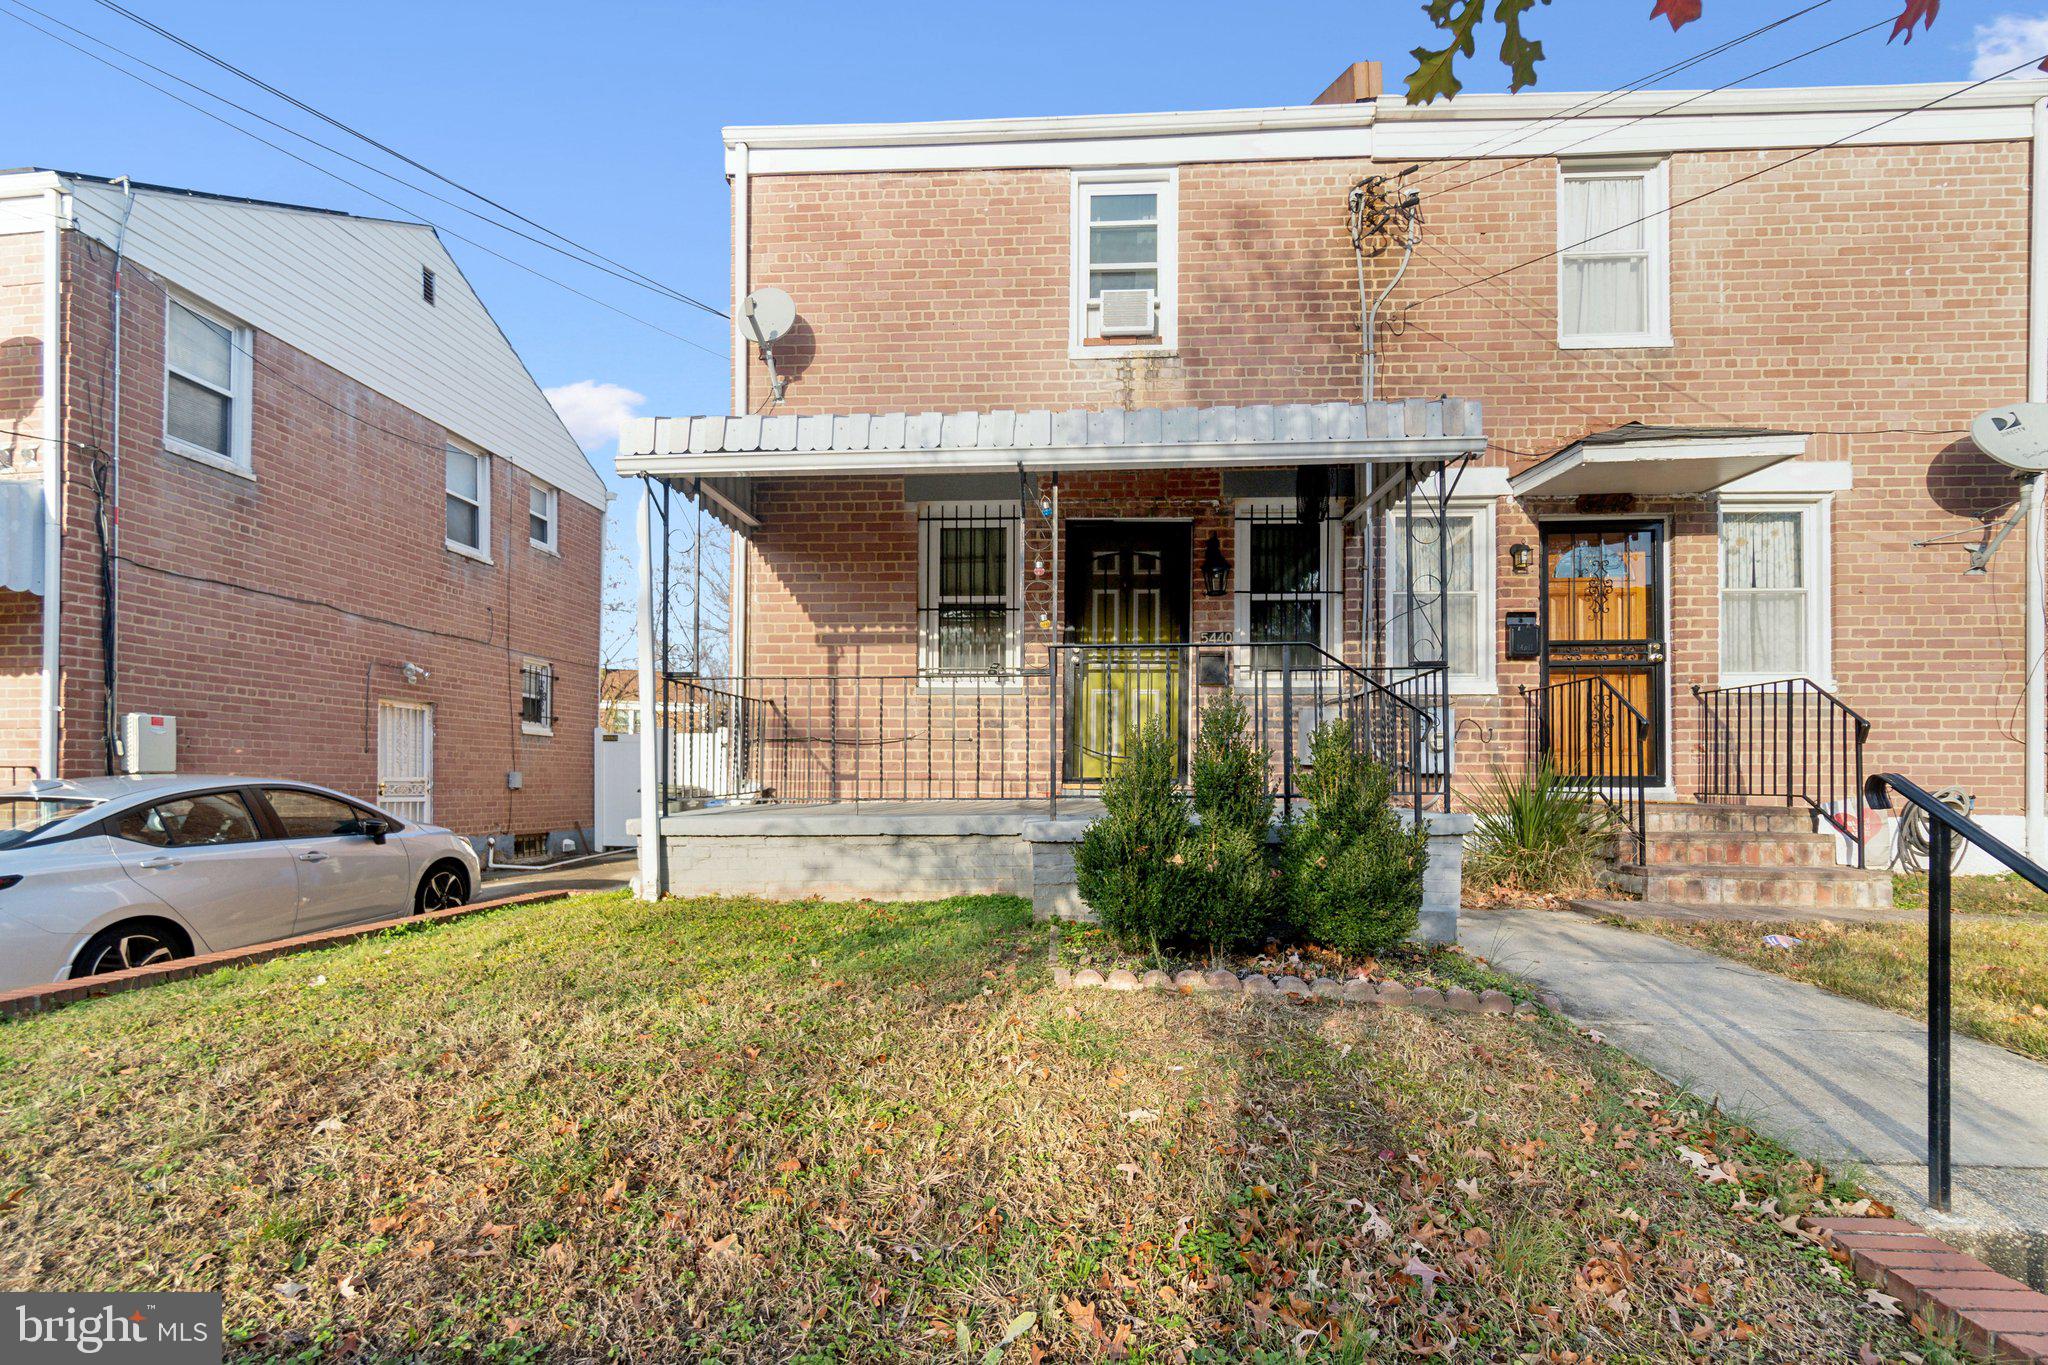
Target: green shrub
1353,872
1536,832
1132,866
1232,878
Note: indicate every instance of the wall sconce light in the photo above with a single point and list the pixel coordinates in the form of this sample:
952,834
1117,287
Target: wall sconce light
1521,556
1215,568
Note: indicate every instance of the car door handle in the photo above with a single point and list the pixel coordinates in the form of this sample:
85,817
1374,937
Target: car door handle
160,862
312,855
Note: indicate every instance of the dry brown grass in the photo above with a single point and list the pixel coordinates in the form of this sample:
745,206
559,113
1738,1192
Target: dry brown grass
727,1130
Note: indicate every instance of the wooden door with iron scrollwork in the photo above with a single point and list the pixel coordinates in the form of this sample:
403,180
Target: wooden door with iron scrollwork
1603,617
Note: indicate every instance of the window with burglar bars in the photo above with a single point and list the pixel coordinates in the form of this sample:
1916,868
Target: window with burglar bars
536,698
1289,582
969,589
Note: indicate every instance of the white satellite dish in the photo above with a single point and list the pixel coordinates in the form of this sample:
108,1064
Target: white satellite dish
766,315
2015,436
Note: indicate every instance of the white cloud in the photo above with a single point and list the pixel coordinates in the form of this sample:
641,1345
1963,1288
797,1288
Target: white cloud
594,411
2007,41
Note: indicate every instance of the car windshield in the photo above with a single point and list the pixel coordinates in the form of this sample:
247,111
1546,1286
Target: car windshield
23,816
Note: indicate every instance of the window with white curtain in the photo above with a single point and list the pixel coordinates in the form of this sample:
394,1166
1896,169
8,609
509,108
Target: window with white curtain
1460,630
1773,592
206,386
1613,273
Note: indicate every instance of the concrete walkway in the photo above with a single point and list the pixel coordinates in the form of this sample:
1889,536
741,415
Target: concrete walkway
606,874
1833,1079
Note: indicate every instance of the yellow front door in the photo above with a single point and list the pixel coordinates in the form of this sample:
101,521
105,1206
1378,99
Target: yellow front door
1603,622
1128,604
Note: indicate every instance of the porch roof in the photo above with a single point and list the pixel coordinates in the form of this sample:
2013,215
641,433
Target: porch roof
1422,431
1657,461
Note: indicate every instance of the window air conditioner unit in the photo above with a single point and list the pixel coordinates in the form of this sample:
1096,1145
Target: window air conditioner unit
1127,313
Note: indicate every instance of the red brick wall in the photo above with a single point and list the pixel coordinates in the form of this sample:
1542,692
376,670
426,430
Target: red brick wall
270,615
21,682
21,349
1802,299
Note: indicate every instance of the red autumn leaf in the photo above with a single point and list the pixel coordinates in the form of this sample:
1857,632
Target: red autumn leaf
1679,12
1916,12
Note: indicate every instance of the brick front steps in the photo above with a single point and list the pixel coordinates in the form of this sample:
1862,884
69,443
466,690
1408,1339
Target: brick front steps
28,1000
1948,1291
1761,857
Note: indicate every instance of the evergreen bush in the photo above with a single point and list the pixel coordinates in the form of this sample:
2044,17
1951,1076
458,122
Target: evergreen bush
1353,873
1233,880
1132,865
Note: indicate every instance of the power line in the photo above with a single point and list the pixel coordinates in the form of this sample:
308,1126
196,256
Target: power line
360,189
1739,180
391,151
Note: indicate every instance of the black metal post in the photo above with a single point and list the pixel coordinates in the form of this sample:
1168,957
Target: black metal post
1938,866
1054,754
1287,737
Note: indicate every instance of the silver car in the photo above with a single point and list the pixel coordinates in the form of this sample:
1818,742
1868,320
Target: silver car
99,874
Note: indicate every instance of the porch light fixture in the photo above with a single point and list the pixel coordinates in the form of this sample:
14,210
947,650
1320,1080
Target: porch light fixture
1215,568
1521,556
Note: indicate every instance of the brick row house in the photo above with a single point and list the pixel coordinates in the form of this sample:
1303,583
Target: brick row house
1662,471
272,481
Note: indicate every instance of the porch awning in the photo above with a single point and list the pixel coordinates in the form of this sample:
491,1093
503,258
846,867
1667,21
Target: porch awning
1657,462
1043,441
21,535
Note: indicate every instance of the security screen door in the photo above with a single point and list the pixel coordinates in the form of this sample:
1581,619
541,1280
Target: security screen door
1129,587
1603,618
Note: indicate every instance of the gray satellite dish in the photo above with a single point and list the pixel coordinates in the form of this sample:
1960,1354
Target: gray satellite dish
766,315
2015,436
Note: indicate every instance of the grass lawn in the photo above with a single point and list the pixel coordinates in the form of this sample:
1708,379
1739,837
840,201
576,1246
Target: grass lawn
2003,894
727,1130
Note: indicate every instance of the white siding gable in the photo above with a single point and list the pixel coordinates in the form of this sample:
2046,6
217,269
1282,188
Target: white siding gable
346,291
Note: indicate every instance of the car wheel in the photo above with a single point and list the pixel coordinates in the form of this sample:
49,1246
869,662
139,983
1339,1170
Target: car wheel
140,943
443,888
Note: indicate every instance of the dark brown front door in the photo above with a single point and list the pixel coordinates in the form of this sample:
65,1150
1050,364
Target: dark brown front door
1603,619
1129,595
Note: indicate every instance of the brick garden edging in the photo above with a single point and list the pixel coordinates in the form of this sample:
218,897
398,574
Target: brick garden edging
1357,992
1946,1290
27,1000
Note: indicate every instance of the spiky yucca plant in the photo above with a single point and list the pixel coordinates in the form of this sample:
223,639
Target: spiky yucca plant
1537,832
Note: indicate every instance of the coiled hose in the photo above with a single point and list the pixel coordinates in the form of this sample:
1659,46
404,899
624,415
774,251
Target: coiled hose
1910,841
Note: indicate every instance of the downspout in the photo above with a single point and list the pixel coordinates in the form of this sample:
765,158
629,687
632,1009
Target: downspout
53,485
742,285
2037,538
111,720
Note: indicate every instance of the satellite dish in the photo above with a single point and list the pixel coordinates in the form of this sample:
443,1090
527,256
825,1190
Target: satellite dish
2015,436
767,314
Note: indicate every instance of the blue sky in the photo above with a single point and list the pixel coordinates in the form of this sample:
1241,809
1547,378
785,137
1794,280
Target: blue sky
602,120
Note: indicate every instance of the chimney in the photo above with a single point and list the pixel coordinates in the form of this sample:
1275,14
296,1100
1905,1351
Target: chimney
1357,82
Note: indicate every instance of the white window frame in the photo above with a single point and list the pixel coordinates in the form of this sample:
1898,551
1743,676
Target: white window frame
1164,182
237,459
1485,682
1330,573
930,526
546,725
1817,560
553,500
1656,225
481,551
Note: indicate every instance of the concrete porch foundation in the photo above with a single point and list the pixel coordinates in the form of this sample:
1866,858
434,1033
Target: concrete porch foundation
914,850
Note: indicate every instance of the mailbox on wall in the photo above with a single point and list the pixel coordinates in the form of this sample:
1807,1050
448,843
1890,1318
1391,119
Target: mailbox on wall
1525,641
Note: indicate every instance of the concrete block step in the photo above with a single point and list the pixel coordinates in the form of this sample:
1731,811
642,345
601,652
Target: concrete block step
1742,848
1800,888
1673,816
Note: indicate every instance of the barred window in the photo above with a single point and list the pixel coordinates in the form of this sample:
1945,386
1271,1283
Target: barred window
968,589
536,698
1288,582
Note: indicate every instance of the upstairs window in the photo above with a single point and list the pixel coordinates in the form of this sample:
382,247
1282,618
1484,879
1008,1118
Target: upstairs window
542,503
536,698
1613,273
1125,261
969,589
468,502
206,387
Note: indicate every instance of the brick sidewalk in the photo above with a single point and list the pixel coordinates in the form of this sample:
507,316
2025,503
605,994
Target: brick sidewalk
1945,1289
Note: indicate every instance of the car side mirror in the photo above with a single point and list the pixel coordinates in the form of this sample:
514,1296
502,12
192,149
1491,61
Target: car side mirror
373,830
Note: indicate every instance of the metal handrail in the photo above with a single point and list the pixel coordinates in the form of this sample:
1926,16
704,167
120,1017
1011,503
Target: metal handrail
1789,738
1624,795
1943,825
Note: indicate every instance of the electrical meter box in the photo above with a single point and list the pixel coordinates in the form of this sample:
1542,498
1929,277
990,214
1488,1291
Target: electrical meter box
1524,640
149,744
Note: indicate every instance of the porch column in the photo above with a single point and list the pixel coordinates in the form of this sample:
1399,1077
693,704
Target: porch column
653,875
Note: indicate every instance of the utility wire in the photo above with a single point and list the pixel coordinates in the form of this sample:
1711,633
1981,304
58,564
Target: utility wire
391,151
360,189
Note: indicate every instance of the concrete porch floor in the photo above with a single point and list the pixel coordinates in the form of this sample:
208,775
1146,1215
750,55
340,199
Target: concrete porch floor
828,819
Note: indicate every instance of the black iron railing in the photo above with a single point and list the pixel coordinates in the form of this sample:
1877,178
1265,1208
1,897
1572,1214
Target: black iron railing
1944,826
1596,739
1792,741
